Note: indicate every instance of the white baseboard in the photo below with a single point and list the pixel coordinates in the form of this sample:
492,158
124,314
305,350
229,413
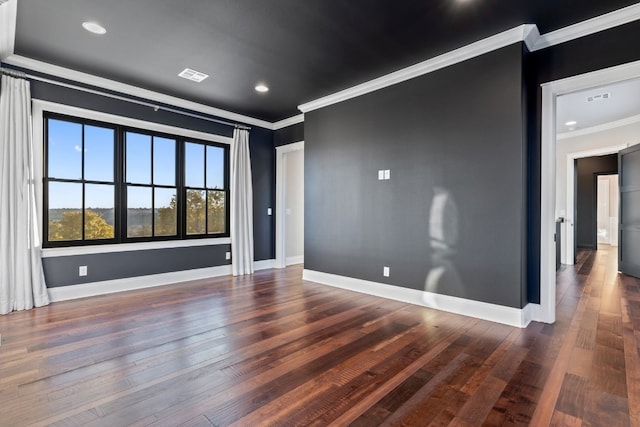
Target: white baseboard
496,313
263,265
295,260
83,290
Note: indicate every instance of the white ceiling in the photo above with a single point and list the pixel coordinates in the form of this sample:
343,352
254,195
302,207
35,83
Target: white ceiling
624,102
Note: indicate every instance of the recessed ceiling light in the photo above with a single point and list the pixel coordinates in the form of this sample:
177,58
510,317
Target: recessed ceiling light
262,88
193,75
94,28
571,123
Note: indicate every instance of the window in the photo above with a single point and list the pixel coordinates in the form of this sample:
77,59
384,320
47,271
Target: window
80,186
204,183
107,183
152,204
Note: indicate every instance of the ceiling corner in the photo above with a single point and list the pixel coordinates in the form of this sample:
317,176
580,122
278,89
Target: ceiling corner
530,36
8,13
288,122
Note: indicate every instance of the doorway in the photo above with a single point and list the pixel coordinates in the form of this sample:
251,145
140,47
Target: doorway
550,93
289,204
607,196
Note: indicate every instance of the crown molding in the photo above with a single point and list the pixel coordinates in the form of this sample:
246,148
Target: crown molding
530,36
288,122
92,80
497,41
8,13
599,128
588,27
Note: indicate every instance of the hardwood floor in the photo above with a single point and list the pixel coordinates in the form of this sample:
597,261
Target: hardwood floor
274,350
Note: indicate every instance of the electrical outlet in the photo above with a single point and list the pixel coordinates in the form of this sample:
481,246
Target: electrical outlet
82,270
387,174
380,175
227,255
385,271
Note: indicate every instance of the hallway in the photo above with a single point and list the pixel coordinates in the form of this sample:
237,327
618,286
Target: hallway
597,373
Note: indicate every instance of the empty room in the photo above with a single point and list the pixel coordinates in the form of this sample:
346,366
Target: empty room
321,212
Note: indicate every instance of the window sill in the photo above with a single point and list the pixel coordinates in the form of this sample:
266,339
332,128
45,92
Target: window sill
125,247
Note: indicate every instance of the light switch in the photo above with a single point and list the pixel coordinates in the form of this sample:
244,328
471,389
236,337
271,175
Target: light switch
380,175
268,211
387,174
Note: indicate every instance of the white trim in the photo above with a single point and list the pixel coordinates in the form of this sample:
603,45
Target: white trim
263,265
292,260
481,310
289,122
588,27
568,241
599,128
83,290
77,76
550,91
280,261
531,37
128,247
547,211
8,13
489,44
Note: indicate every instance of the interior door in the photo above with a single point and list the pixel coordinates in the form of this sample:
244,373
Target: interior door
629,227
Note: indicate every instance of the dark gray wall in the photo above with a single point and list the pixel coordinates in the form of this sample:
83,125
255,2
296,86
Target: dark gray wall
587,171
288,135
457,131
62,271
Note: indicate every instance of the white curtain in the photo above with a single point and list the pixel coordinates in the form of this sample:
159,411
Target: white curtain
22,284
241,205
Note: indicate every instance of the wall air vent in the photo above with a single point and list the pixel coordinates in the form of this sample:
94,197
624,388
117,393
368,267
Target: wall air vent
193,75
599,97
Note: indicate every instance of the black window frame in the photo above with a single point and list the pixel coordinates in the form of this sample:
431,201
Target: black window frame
120,185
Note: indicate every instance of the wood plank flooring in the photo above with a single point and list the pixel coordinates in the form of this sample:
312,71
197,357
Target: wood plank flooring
274,350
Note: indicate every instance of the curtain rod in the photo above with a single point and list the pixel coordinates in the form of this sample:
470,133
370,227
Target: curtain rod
22,75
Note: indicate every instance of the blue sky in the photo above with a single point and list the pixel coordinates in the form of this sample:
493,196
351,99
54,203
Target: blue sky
65,152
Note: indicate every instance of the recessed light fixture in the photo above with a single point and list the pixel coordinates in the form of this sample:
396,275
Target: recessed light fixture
262,88
193,75
94,27
571,123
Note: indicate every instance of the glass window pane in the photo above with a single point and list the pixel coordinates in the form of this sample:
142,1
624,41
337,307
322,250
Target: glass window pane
98,153
99,212
215,167
216,218
164,161
194,165
196,211
64,149
139,210
165,211
138,158
65,211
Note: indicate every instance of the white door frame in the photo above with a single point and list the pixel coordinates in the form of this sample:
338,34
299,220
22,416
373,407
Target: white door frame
568,253
550,91
281,173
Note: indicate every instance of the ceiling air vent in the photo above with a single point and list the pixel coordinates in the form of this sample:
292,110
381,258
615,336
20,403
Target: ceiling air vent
193,75
599,97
